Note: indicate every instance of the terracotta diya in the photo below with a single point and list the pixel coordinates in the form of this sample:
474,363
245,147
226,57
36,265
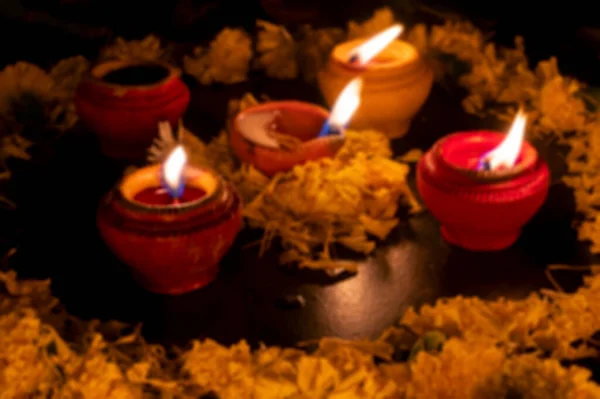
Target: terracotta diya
171,224
276,136
483,186
122,102
397,80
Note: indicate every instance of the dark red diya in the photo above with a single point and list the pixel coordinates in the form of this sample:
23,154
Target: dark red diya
123,101
481,210
172,247
301,120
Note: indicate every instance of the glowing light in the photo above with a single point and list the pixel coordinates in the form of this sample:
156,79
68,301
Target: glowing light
344,107
506,153
364,53
172,171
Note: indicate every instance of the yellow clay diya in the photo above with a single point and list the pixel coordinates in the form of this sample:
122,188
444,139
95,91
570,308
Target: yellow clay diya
397,80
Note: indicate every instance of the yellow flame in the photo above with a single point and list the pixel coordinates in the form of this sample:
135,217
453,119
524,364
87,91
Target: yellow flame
173,168
507,152
346,104
365,52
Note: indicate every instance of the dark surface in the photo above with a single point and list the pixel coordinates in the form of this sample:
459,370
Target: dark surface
253,298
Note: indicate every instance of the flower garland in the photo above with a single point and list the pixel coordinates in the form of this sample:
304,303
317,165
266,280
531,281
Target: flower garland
149,49
33,100
460,347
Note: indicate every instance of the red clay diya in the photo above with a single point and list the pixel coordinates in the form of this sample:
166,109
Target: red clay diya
122,102
481,210
171,246
301,120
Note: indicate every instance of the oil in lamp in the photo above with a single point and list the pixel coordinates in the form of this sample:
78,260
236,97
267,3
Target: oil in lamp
276,136
171,224
397,81
483,186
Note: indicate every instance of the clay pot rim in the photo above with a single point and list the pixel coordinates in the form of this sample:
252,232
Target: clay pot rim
528,158
179,208
376,70
101,69
274,105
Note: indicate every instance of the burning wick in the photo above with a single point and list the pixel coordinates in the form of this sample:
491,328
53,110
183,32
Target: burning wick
344,107
365,52
506,153
484,165
172,173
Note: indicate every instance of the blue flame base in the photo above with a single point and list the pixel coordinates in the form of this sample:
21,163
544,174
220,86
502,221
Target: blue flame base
329,130
175,193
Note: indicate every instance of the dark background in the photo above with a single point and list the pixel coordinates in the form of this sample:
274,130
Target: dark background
54,227
47,30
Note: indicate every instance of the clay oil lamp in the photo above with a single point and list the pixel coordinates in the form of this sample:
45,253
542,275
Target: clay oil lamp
483,186
397,81
171,224
123,101
276,136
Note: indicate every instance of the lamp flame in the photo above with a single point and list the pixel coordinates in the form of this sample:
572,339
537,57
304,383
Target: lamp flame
344,107
346,104
172,172
365,52
506,153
